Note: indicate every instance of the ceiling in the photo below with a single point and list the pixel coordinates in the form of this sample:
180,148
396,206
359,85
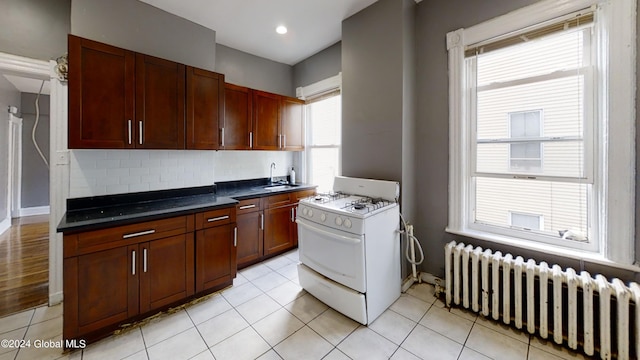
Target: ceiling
249,25
28,85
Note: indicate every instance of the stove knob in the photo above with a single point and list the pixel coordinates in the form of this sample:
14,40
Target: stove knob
310,213
305,211
323,217
347,223
338,221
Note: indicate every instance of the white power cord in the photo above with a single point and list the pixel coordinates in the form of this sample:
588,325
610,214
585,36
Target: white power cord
411,239
35,126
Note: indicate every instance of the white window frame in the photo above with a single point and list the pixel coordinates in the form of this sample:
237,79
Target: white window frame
614,179
311,91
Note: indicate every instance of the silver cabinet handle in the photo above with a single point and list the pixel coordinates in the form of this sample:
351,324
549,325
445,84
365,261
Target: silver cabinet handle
292,215
235,237
218,218
261,221
247,206
129,125
147,232
222,137
251,139
284,141
140,128
144,259
133,262
280,141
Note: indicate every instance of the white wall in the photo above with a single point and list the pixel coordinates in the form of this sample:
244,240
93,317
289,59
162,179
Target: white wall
107,172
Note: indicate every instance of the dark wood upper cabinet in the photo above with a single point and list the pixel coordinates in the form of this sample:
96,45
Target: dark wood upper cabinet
205,110
237,117
101,95
291,124
160,100
120,99
266,121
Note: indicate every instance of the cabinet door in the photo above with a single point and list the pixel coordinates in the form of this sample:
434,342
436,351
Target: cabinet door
278,231
101,289
215,257
101,95
266,121
166,271
292,123
237,117
205,109
250,230
160,96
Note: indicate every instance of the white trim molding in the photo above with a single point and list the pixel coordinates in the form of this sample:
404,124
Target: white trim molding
614,178
36,210
5,225
20,65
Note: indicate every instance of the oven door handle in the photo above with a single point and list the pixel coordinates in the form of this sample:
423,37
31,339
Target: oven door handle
346,239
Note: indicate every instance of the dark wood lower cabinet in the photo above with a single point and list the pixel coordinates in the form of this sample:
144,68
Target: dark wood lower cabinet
166,271
215,257
250,240
279,229
119,275
103,286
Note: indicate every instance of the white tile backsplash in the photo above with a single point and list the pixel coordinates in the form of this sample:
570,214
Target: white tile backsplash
107,172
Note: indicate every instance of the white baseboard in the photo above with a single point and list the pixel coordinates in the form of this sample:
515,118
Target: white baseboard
55,299
5,225
37,210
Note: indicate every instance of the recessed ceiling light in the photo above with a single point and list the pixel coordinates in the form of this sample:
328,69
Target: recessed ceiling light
281,29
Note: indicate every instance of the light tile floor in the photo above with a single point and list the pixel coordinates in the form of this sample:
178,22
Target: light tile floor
266,315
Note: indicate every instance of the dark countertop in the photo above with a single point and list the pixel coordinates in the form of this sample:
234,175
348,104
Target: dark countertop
98,212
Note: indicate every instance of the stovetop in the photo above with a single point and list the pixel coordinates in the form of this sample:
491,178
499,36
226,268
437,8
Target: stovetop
347,204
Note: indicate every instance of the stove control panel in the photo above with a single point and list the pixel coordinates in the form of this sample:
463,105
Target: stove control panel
331,219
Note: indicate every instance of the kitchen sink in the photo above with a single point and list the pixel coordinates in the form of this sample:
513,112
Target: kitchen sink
279,186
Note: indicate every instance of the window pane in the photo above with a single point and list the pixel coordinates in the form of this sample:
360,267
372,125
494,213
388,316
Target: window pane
525,221
554,158
532,58
562,205
324,167
325,121
561,100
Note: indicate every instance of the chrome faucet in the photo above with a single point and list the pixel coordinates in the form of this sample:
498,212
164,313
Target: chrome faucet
273,166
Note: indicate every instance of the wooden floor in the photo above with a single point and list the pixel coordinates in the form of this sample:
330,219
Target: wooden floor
24,264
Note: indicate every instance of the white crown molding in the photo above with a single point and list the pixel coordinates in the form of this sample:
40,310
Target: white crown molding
24,66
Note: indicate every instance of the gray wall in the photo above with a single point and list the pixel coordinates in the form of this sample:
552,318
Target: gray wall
322,65
140,27
9,96
378,92
35,174
244,69
372,77
434,19
34,28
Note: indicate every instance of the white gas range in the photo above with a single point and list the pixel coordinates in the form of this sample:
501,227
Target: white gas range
349,247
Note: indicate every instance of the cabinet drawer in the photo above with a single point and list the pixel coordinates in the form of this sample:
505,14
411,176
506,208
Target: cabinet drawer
277,200
122,235
296,196
216,217
248,206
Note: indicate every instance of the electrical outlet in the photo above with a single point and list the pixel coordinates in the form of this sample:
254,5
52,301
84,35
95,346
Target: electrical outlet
62,157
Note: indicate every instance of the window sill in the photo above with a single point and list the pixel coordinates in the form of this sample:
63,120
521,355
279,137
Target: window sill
595,258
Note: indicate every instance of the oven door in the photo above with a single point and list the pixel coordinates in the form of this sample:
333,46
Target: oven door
335,254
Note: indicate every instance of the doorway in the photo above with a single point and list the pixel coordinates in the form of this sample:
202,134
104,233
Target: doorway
59,171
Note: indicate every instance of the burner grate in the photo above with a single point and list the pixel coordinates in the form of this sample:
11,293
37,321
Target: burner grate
365,205
322,198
